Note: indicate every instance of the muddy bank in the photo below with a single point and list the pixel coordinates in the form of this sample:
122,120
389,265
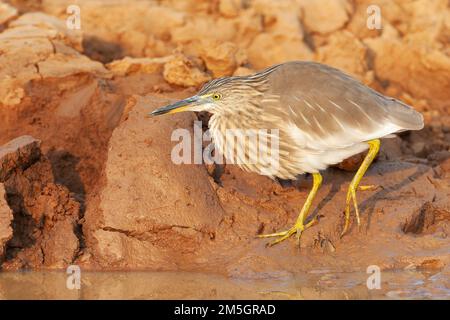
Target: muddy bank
101,191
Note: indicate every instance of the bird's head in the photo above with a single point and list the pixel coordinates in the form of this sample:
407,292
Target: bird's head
217,95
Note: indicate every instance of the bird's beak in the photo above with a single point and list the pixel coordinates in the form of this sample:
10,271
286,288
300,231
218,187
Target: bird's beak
179,106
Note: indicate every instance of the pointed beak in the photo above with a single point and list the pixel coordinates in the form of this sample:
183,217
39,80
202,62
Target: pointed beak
179,106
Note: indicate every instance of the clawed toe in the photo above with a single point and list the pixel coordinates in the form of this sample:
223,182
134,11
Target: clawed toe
299,225
371,187
283,235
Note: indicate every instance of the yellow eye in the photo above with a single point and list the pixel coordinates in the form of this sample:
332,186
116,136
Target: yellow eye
216,96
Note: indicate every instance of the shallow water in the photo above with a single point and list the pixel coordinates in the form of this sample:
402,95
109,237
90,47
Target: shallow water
318,284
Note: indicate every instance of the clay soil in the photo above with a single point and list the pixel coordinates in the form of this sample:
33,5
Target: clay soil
86,177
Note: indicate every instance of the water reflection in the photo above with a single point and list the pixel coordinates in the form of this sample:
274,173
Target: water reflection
180,285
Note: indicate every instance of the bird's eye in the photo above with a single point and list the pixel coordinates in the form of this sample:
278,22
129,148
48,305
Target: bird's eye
216,96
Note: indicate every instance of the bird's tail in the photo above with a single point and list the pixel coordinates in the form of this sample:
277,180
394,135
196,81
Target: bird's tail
404,116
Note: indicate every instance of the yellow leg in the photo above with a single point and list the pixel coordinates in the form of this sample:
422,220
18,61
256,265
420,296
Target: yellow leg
374,147
299,225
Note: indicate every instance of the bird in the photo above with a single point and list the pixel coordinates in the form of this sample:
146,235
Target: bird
321,116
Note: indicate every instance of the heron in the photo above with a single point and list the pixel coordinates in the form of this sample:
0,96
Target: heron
322,116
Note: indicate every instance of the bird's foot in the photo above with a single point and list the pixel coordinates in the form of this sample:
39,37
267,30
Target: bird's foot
298,229
369,187
351,195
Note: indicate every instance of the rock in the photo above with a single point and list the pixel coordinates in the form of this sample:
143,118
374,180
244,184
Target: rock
155,47
270,8
11,92
426,22
444,36
183,71
60,244
166,210
192,6
358,23
221,59
280,17
36,47
127,26
200,27
391,149
344,51
7,13
45,214
64,64
19,153
395,61
128,65
25,54
325,16
282,37
230,8
52,27
445,168
6,218
418,148
249,25
263,53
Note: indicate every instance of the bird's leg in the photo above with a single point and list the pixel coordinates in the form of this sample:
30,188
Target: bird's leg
374,147
299,225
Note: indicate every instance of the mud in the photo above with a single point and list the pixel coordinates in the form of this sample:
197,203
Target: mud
93,183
